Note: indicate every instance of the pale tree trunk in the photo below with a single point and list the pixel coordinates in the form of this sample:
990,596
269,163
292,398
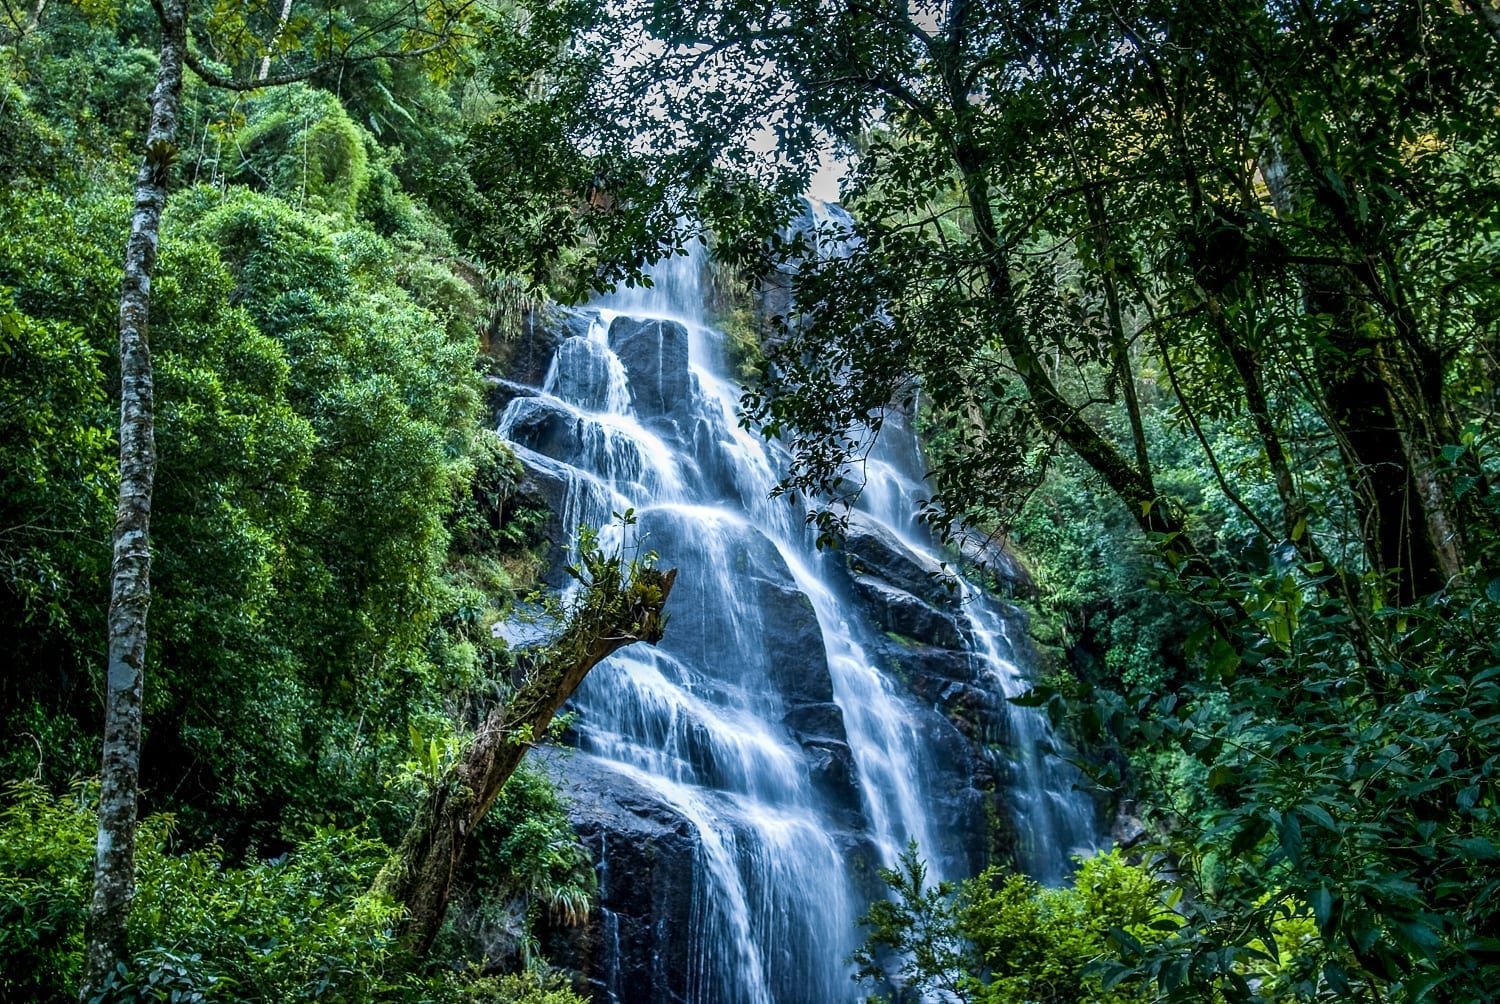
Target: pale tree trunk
420,875
130,572
265,61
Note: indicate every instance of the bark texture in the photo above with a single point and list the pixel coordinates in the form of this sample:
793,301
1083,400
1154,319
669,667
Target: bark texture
281,20
612,615
130,573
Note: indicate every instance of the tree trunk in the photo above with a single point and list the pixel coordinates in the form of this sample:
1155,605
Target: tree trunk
1396,523
130,574
420,875
1155,515
281,20
1405,528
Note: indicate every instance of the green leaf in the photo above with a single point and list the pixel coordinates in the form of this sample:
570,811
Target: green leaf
1322,905
1320,815
1036,697
1477,848
1222,776
1249,836
1289,835
1337,978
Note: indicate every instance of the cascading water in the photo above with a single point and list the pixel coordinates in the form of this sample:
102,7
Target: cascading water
741,782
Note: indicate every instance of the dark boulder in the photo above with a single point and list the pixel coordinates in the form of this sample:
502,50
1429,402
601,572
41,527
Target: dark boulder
548,485
824,721
528,355
797,663
872,550
1128,830
644,855
655,356
830,768
499,393
583,373
896,610
543,425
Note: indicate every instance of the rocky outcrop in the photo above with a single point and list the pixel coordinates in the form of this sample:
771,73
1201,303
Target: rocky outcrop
543,425
545,486
987,554
800,673
872,550
732,724
655,356
529,354
583,373
797,668
644,855
926,646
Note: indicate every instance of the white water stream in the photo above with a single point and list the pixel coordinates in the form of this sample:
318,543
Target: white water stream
763,629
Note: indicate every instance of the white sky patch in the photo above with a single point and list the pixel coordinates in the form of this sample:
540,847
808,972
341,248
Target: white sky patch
826,181
659,123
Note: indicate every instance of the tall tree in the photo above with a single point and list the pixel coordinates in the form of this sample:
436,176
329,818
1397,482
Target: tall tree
364,32
130,572
1049,194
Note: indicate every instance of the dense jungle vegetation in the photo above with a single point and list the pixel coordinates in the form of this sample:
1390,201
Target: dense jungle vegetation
1197,305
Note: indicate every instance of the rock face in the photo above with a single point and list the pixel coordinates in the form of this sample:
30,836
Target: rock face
927,647
989,556
529,355
646,880
582,373
546,487
543,425
801,686
655,354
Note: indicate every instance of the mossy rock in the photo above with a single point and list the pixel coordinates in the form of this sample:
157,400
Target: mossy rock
904,641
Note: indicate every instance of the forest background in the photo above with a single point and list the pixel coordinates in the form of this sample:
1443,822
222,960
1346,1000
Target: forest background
1197,305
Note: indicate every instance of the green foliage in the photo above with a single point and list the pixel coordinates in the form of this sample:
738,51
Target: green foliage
1236,260
89,79
30,146
732,304
302,926
45,849
527,871
530,987
528,840
527,192
300,144
56,466
335,529
1366,800
56,476
318,438
1000,937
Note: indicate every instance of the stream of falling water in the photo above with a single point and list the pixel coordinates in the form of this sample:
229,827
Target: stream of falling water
637,411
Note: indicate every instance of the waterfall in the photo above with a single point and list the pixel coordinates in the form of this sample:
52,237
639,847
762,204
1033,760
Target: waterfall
742,783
